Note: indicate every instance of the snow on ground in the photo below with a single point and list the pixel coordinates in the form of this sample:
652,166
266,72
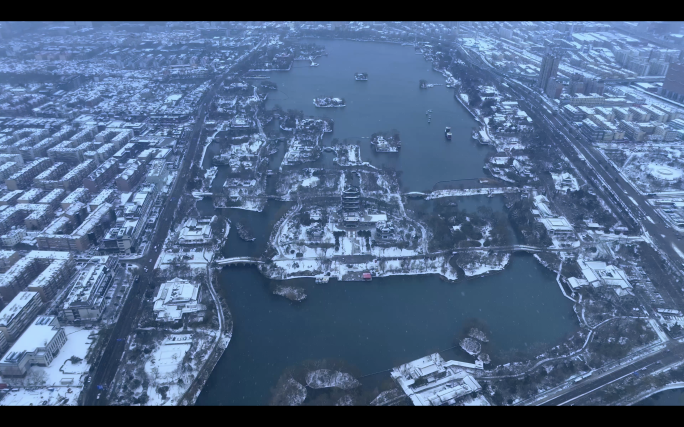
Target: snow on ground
174,393
290,292
477,401
297,392
382,182
310,182
162,366
392,252
59,396
78,342
565,181
255,143
439,265
60,370
481,262
340,189
204,151
352,154
386,396
324,378
471,192
651,167
166,359
198,258
225,234
345,246
486,233
293,268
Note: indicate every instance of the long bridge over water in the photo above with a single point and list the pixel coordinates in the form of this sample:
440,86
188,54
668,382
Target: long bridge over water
239,260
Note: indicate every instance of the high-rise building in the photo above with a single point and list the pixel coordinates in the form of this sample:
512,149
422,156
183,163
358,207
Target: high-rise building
593,86
548,70
673,86
553,89
576,84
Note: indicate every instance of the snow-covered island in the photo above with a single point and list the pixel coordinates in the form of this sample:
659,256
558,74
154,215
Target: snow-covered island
389,142
328,102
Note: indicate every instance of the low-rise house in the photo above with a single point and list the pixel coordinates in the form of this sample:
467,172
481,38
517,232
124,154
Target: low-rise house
176,298
430,381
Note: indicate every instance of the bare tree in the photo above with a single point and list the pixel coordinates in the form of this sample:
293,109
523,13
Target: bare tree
35,377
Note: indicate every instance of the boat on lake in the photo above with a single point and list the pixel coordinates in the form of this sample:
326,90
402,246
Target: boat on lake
361,77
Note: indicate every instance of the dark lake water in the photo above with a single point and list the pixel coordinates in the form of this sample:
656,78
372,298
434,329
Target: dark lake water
377,325
665,398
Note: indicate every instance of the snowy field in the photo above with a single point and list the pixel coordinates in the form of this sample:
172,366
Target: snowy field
162,368
198,258
650,167
42,397
471,192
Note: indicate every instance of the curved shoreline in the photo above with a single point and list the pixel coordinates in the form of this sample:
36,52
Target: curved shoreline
671,386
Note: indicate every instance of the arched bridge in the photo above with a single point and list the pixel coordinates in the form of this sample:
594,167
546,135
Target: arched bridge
239,260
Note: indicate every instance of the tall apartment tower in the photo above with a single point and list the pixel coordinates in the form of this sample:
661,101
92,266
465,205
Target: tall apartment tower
548,70
673,86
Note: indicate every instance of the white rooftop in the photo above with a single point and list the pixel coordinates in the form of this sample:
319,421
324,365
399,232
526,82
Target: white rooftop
38,335
16,306
176,297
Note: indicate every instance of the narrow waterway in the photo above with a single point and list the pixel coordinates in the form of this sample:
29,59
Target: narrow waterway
259,223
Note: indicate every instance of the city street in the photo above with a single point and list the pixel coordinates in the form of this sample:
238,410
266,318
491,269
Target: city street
582,393
113,353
